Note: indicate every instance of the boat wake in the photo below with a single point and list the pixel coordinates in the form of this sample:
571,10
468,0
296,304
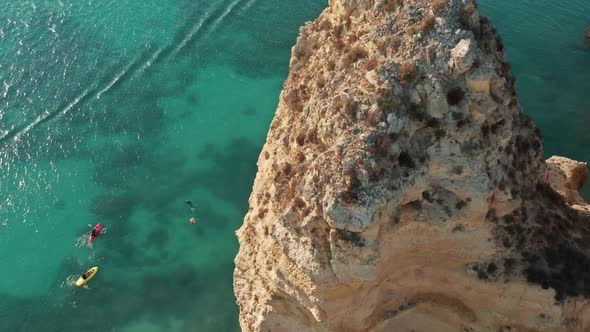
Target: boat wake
247,6
118,76
205,26
70,280
134,68
82,241
215,17
194,30
15,134
149,62
227,11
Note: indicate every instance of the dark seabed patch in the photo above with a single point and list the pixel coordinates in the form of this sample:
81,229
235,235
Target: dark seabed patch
157,237
192,99
114,207
249,111
233,183
59,204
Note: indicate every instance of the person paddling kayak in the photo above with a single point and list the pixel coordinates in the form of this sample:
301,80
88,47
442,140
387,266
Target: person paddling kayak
95,232
87,275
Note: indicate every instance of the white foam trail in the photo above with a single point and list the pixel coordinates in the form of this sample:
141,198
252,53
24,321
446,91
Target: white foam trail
52,29
196,28
224,14
73,103
149,62
118,76
47,114
6,87
248,5
82,241
70,280
110,85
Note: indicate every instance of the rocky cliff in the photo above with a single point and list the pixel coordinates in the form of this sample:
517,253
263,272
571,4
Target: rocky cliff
401,187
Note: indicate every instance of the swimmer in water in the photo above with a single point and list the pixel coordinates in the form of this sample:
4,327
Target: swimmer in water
190,206
193,210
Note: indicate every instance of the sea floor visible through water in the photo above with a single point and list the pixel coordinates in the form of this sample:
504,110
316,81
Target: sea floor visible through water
119,112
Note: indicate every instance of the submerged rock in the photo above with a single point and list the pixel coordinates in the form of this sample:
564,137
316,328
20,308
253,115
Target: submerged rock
402,188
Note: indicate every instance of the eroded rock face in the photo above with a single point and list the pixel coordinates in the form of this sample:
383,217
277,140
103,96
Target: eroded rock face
401,187
463,56
566,177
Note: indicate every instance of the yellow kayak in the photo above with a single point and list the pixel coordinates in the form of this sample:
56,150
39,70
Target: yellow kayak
86,276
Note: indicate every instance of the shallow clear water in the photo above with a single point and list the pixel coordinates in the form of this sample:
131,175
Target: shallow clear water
119,111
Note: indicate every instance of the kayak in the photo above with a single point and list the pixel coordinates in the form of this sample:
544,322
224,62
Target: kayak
95,232
89,274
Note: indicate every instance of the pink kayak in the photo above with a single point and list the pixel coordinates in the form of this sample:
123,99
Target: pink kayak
95,232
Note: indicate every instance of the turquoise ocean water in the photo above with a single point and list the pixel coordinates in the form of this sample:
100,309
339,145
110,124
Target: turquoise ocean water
119,111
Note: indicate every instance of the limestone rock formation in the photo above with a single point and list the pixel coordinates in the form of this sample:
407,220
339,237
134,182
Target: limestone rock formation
401,187
566,177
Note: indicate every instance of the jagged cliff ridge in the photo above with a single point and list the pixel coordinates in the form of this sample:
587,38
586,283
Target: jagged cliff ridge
402,189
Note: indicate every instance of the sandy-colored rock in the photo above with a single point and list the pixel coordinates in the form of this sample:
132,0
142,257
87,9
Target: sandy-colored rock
566,177
463,56
402,189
